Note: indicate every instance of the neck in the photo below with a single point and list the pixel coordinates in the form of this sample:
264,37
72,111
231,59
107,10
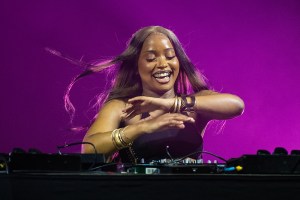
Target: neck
164,95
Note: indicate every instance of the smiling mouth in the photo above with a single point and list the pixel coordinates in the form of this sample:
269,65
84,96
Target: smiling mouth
162,74
162,77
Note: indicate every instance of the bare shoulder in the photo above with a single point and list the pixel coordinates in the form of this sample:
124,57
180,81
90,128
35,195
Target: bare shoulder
115,104
112,108
109,117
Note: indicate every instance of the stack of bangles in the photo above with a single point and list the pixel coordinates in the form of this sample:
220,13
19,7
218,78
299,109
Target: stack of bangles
118,138
181,104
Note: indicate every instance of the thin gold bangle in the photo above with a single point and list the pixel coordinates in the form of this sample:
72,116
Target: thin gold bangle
178,104
114,136
124,138
118,139
175,105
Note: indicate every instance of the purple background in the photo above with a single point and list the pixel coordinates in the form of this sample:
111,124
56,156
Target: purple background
248,48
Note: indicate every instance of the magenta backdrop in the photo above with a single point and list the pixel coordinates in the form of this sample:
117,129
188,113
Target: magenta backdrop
249,48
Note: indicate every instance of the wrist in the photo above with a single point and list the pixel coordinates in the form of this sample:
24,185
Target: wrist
188,104
170,105
143,128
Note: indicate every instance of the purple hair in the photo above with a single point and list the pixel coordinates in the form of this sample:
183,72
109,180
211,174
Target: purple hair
126,82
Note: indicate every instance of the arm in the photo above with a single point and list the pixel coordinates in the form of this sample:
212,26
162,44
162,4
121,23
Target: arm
213,105
109,118
99,133
209,105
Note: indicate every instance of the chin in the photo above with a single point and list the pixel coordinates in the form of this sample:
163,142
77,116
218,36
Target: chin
163,90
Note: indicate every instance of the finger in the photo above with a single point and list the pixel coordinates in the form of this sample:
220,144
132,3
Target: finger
176,124
191,120
147,118
130,114
127,107
132,108
180,126
133,111
127,110
135,99
183,118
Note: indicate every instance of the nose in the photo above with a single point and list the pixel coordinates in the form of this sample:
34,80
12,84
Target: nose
162,63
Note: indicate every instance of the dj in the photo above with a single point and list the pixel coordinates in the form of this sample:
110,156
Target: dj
158,100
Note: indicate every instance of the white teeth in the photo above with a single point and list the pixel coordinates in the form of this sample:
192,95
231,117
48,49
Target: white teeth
162,74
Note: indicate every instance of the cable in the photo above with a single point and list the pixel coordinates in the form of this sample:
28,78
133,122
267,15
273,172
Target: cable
295,167
167,150
186,156
77,143
99,167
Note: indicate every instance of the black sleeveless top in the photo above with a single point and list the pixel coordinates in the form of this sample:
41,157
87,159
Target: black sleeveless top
180,142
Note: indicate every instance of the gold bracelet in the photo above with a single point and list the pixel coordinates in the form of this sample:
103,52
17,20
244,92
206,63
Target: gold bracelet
179,104
123,138
118,140
114,136
175,105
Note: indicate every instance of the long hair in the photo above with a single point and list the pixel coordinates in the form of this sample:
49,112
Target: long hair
127,82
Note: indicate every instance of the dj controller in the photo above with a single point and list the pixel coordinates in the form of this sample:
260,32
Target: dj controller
260,163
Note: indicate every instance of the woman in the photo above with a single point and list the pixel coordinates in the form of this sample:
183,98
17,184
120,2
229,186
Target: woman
159,105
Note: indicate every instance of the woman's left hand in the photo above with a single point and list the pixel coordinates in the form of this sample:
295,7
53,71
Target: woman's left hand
143,104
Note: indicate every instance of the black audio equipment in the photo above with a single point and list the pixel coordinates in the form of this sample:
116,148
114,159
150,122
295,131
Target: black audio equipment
31,162
3,161
40,162
171,168
278,163
44,162
246,164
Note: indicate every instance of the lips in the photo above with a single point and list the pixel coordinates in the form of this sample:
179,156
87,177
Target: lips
162,76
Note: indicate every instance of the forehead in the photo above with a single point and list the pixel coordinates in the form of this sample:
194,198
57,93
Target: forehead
157,41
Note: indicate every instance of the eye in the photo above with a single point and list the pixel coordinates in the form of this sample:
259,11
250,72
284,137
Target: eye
150,59
170,57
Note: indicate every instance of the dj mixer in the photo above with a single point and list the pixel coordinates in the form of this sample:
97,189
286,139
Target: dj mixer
260,163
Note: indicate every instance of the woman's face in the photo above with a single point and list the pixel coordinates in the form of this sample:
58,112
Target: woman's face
158,65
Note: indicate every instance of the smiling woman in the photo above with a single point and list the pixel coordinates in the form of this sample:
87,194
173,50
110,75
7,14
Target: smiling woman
158,105
158,66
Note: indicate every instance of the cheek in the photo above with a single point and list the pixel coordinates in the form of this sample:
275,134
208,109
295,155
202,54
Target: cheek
175,64
145,67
